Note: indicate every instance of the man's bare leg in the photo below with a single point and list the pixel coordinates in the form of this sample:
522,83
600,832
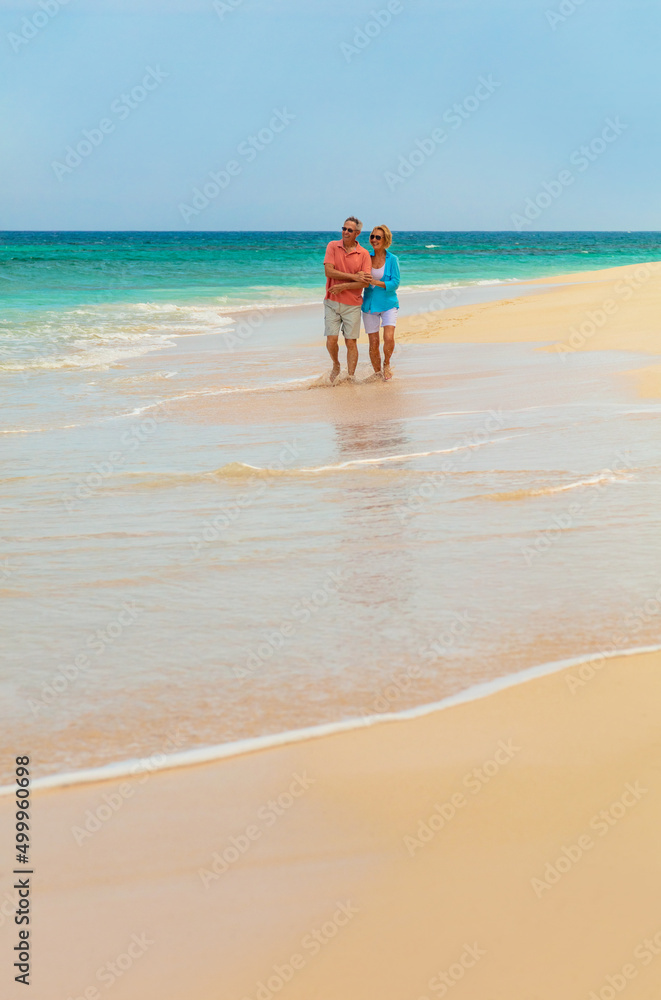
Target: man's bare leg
388,348
375,353
352,356
334,351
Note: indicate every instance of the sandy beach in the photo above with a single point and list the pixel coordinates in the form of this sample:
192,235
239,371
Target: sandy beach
614,309
502,848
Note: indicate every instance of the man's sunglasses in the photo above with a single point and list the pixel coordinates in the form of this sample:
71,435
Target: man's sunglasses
345,229
376,237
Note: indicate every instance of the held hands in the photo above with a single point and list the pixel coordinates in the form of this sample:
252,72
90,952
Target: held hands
367,279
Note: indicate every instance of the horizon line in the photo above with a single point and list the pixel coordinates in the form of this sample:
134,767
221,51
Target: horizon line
200,232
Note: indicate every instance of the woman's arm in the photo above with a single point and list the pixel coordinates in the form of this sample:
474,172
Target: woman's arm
393,283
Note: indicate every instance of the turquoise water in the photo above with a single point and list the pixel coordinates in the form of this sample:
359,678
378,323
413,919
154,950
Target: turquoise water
78,299
65,269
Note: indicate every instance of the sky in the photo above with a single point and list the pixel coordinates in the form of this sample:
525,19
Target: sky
293,114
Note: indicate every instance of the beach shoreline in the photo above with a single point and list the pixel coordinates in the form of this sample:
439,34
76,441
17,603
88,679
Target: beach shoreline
204,755
486,312
515,831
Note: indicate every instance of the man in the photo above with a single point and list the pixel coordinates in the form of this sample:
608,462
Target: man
345,260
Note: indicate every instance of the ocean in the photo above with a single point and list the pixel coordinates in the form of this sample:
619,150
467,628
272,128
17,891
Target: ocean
202,544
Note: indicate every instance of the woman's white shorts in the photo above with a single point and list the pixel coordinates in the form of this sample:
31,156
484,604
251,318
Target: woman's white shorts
372,321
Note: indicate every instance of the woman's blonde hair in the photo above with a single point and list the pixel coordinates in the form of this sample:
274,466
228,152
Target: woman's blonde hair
386,232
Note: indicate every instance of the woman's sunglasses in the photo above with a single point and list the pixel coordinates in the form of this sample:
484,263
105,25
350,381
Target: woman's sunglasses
376,237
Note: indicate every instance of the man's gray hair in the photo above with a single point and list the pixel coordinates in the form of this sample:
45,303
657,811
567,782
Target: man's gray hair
358,223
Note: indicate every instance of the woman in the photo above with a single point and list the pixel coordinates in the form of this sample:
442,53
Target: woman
380,302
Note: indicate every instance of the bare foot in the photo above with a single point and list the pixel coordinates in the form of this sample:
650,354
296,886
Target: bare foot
387,374
374,377
334,372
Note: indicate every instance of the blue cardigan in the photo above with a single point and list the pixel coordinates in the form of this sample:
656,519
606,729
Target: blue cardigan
375,299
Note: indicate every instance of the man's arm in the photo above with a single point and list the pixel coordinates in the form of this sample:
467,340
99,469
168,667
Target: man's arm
362,277
345,287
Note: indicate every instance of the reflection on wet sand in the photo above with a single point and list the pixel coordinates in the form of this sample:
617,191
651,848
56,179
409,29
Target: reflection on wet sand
373,541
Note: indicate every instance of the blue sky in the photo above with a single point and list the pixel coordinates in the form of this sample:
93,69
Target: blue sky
362,113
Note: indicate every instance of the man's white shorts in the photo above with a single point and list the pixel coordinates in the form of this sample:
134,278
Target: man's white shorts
341,318
372,321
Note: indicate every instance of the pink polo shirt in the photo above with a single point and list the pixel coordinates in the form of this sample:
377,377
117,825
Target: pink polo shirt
351,262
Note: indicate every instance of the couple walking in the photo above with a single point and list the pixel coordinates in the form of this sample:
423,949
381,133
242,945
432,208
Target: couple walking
358,281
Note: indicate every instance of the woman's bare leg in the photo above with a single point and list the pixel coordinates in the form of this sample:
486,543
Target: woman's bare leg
375,353
388,348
